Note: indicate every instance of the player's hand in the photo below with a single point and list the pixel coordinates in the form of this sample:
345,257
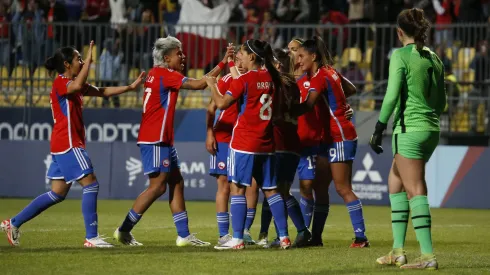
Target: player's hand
210,80
349,113
232,57
377,138
88,58
211,145
230,52
138,81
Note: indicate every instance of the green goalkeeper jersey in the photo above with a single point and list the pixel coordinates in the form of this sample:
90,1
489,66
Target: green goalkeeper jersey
416,91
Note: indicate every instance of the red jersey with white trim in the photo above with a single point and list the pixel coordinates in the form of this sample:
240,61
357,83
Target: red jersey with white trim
223,128
68,129
253,131
161,91
309,125
328,82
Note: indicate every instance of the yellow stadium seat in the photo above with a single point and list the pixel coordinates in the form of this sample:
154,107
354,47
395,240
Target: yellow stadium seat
4,75
18,100
369,86
465,56
368,56
195,73
41,78
42,100
480,118
351,55
467,76
3,101
449,53
129,100
94,53
133,74
92,76
20,77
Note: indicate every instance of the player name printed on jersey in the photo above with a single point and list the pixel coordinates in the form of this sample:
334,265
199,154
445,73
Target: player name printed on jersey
263,85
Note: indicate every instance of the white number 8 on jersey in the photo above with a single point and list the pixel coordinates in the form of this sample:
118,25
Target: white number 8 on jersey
266,101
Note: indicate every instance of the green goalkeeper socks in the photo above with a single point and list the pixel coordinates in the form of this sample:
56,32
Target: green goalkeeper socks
399,218
421,221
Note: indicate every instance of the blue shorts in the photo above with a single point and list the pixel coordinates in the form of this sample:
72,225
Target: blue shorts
159,158
217,163
70,166
243,167
286,164
307,163
339,151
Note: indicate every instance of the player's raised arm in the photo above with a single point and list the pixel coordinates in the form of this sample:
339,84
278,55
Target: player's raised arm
79,82
199,84
112,91
221,101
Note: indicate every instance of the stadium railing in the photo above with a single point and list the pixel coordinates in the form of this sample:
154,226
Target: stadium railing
360,51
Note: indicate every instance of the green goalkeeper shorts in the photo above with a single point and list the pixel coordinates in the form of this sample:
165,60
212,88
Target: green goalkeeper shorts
415,145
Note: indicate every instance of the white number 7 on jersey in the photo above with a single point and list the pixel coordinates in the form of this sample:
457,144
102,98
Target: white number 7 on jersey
147,97
266,101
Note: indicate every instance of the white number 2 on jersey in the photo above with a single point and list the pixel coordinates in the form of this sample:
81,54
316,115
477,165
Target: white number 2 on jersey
266,101
147,97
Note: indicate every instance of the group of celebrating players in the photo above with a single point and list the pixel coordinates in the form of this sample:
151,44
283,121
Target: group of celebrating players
281,112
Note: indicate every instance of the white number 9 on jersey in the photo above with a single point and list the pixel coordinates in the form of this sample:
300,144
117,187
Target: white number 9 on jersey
266,101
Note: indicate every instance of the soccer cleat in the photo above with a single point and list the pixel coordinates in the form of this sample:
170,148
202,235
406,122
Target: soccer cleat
235,244
275,243
285,243
315,242
97,242
125,238
262,239
395,257
12,232
360,243
302,239
428,262
226,238
190,240
247,238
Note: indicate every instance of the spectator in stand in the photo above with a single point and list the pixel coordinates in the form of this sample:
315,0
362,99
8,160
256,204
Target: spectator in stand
4,36
262,6
133,10
360,12
169,13
441,52
251,21
333,20
470,11
74,9
293,11
98,11
269,33
109,69
481,65
444,10
55,12
29,32
452,87
145,37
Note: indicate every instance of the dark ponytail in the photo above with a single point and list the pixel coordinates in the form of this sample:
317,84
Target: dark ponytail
318,47
414,24
290,94
57,61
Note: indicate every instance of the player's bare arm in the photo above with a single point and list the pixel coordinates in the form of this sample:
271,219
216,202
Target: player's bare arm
79,82
210,139
199,84
112,91
347,86
222,102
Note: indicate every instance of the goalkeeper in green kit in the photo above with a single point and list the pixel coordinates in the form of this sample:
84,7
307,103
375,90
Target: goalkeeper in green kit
417,98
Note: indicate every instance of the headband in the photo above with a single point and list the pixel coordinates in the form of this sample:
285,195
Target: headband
248,45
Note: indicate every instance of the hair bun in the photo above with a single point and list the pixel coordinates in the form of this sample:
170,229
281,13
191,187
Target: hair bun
50,64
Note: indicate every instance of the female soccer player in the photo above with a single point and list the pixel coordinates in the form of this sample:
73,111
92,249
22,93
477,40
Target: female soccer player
70,160
251,153
156,136
416,92
339,139
217,143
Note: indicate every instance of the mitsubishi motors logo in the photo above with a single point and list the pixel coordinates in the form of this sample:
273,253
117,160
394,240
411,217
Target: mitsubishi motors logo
360,175
134,167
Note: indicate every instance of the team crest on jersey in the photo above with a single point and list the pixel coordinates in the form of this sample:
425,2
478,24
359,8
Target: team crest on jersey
221,165
166,163
306,84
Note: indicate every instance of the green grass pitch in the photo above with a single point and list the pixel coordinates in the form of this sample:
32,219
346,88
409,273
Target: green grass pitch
52,244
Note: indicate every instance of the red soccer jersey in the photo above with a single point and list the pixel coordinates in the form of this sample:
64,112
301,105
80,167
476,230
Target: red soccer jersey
223,129
310,124
161,91
328,82
68,129
253,131
286,137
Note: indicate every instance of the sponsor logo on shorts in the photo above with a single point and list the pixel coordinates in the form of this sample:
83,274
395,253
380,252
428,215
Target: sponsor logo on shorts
221,165
166,163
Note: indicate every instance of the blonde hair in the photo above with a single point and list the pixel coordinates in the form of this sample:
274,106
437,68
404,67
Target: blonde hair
162,47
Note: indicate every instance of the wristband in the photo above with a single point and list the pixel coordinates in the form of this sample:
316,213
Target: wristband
231,64
221,65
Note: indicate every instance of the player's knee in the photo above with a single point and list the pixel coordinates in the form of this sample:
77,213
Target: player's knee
344,190
61,195
224,189
306,187
158,188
